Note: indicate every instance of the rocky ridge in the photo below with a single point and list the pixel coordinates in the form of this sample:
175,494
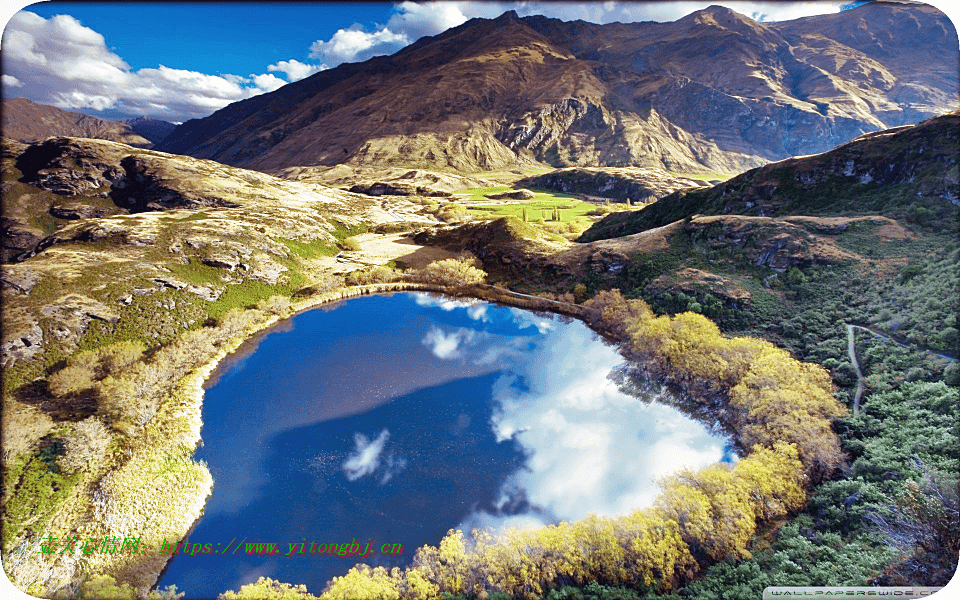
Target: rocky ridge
27,121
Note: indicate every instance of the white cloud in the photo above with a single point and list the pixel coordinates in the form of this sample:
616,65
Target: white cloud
446,346
61,62
296,70
366,456
268,82
443,302
478,312
356,45
476,309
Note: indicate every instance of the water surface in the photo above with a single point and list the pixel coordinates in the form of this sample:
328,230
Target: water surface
392,419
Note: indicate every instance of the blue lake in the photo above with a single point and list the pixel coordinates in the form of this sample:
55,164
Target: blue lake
392,419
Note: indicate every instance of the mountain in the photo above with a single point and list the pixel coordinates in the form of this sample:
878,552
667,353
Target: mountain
712,92
906,173
27,121
152,129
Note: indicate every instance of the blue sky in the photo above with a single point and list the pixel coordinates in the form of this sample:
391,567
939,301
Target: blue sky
183,60
239,38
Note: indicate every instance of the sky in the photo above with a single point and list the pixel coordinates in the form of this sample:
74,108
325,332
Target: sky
182,60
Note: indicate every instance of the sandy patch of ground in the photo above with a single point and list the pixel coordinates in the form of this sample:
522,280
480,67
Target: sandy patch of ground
892,230
379,249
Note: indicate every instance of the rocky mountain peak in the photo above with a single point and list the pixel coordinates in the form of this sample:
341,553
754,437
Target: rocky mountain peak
713,91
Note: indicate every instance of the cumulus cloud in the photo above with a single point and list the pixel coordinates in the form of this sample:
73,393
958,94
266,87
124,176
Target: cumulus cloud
365,458
11,81
296,70
268,82
60,61
356,45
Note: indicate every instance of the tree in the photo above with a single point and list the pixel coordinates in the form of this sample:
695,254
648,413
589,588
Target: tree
363,583
116,358
268,589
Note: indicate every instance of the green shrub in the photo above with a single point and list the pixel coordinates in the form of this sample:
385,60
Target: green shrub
37,488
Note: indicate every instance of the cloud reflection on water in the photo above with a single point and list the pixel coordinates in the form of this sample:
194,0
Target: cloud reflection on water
592,448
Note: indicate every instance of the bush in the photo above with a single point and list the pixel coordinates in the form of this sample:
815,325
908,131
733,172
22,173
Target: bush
71,379
105,587
123,399
85,444
23,425
236,320
350,244
452,271
274,305
378,274
452,212
117,358
268,589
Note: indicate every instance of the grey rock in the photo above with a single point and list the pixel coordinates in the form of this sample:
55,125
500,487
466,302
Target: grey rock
72,210
24,347
20,280
207,293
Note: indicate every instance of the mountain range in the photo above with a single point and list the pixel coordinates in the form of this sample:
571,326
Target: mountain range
712,92
27,121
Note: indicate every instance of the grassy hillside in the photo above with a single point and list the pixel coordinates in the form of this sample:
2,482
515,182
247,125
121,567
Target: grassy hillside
908,174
